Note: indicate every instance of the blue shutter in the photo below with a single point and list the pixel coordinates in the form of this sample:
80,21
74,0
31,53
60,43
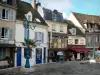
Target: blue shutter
0,13
42,37
7,12
36,36
10,34
0,32
12,15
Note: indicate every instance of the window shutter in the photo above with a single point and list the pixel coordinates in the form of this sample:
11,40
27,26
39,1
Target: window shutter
10,34
42,37
0,32
12,15
7,12
0,13
35,36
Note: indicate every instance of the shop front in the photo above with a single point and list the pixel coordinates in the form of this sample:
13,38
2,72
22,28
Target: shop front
57,54
79,52
7,53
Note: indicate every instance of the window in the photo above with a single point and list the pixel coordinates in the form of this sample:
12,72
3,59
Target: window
97,39
76,41
61,28
4,32
2,53
89,39
12,15
53,27
39,36
5,13
29,17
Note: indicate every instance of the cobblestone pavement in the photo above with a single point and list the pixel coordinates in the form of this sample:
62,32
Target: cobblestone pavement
67,68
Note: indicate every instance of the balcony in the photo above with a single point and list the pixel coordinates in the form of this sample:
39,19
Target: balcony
58,45
6,41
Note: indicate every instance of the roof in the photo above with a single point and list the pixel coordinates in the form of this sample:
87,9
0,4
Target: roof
85,17
24,8
71,25
53,15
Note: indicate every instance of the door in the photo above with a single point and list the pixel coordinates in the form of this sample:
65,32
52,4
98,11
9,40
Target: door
44,54
19,57
38,55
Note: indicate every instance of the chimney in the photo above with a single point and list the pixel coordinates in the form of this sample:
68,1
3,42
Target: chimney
33,3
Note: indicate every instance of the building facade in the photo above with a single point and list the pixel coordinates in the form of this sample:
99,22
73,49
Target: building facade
39,53
57,32
7,29
89,25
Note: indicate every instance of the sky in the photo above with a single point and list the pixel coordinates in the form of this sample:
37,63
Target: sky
91,7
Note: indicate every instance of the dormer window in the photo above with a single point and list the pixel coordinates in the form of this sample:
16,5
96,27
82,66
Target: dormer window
29,17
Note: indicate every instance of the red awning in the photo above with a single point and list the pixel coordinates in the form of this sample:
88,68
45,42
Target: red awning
80,50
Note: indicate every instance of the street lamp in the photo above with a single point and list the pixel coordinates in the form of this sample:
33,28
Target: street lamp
27,25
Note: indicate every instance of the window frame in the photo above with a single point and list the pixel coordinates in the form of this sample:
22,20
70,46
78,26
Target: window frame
61,28
4,32
53,27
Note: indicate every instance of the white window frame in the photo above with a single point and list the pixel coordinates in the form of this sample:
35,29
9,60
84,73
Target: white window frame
29,17
6,15
53,27
4,32
5,18
61,28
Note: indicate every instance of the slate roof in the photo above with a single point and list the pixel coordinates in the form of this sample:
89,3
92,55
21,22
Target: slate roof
71,25
53,15
90,18
24,8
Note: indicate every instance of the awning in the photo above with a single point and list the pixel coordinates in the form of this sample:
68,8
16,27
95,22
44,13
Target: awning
80,50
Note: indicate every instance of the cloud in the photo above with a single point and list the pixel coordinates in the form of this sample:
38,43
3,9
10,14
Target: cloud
60,5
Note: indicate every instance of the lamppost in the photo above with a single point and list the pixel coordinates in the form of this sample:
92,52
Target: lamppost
27,25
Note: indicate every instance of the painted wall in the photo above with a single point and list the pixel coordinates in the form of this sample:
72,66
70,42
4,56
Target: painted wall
20,38
9,24
58,24
81,40
75,21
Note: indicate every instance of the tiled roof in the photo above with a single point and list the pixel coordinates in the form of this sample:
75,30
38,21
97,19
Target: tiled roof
85,17
24,8
71,25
